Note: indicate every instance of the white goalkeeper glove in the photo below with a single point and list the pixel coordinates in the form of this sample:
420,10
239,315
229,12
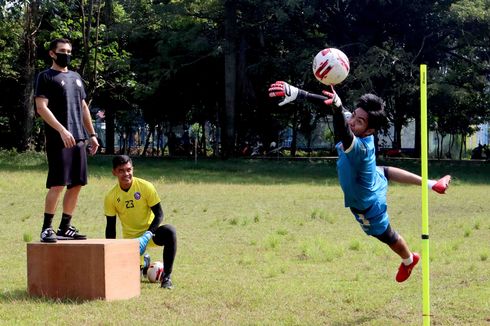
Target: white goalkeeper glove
333,98
283,89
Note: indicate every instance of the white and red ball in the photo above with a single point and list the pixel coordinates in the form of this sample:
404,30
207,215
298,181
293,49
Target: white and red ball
155,272
331,66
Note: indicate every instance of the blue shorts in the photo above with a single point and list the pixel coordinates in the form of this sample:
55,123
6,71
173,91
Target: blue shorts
374,220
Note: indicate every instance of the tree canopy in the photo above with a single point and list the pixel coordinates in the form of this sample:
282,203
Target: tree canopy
186,62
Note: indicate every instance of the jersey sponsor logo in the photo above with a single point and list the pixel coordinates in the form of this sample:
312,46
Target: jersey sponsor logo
137,195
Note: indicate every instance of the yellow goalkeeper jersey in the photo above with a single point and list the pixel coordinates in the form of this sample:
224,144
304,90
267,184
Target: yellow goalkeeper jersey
132,207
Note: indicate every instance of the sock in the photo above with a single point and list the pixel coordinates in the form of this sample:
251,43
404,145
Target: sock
65,221
146,262
431,183
408,261
48,220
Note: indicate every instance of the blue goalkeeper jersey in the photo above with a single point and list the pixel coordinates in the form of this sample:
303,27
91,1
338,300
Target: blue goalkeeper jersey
363,185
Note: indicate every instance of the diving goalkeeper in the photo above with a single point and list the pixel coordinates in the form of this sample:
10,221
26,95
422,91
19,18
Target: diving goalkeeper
363,183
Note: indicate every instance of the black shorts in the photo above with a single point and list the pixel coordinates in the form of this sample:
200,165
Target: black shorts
67,166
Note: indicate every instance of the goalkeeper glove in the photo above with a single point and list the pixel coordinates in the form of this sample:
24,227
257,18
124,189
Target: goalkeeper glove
143,240
333,98
283,89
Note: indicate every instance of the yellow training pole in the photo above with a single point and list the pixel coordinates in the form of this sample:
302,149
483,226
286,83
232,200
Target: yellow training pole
425,197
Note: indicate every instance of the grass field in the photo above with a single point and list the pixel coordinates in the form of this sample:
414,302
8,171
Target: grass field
264,243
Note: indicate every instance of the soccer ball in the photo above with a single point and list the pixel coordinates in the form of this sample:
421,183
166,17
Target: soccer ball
155,272
331,66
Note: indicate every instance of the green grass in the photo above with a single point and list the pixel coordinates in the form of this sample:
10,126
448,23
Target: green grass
263,243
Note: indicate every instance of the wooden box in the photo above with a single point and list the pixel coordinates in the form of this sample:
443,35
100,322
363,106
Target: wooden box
84,269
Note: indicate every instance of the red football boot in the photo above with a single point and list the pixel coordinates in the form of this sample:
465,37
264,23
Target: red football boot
442,184
404,271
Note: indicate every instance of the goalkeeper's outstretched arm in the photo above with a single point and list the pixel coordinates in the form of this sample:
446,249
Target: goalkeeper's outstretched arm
289,93
340,126
311,96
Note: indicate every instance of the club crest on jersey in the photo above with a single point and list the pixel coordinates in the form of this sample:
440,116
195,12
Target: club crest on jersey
137,195
79,83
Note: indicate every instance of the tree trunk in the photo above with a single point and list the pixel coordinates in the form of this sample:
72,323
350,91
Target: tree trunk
109,131
93,79
203,139
150,134
25,119
108,12
437,139
418,137
294,138
308,142
397,142
462,147
440,154
87,28
228,121
159,139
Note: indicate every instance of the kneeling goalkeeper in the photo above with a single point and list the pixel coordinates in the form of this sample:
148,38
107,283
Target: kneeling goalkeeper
137,204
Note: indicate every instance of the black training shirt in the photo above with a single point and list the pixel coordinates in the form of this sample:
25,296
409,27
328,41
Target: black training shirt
65,92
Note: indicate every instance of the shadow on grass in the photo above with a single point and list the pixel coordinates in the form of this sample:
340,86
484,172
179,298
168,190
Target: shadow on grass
358,321
13,161
249,171
14,295
282,171
240,171
22,295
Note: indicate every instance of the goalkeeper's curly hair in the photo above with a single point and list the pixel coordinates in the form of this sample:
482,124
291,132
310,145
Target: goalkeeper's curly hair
375,108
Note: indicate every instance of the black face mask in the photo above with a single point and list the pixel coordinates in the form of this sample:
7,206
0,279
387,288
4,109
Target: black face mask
62,59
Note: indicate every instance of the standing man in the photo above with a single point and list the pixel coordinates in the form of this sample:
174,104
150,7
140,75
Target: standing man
137,204
364,184
60,101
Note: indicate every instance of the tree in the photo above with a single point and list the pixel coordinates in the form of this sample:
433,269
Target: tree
461,94
17,63
188,61
26,116
230,47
